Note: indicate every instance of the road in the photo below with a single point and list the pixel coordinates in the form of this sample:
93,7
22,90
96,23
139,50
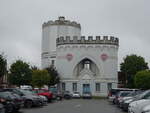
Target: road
76,106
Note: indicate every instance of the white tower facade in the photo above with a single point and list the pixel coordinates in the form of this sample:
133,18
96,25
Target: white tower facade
50,32
84,64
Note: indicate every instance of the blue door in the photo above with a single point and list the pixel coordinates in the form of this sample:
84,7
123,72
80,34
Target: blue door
86,87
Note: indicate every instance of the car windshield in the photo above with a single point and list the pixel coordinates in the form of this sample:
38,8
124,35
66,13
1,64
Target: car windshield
43,91
86,92
67,92
123,94
25,92
141,95
17,96
76,92
6,95
35,91
134,93
17,91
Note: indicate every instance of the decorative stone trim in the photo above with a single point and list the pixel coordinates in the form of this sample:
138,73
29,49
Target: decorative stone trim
106,40
61,21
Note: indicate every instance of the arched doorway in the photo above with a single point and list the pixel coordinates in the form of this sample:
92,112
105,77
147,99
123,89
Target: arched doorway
87,65
86,71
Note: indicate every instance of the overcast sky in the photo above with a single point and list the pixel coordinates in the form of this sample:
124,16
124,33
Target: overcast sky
21,24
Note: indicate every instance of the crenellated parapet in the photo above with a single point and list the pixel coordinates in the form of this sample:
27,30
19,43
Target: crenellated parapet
61,21
90,40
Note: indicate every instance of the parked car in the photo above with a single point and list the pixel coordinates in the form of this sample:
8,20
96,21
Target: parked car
76,95
31,99
57,95
26,87
87,95
146,109
44,92
143,95
10,101
129,96
114,91
2,109
120,95
137,106
14,90
67,95
7,104
44,100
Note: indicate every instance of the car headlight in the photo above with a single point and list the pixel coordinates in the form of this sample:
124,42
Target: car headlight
35,98
128,101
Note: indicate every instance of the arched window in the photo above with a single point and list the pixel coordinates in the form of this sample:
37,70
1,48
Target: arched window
87,64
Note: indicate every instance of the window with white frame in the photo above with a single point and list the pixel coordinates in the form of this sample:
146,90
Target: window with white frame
97,87
74,87
53,62
63,86
109,86
87,65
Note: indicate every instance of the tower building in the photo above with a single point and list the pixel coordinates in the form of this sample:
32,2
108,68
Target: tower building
51,30
85,64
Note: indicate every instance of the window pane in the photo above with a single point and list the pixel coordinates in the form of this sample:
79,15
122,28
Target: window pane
63,86
109,86
53,62
97,85
74,86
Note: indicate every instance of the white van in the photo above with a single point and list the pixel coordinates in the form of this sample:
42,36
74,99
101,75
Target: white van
26,87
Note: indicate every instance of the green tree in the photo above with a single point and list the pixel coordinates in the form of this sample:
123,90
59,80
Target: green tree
142,79
20,73
40,78
34,68
3,66
54,76
130,66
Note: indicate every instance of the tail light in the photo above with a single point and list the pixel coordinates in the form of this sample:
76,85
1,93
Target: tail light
2,100
110,94
18,100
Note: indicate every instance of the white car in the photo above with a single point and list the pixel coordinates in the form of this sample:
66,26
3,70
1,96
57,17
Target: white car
44,100
146,109
137,106
76,95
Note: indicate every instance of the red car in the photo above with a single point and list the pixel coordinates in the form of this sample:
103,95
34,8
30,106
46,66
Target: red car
45,93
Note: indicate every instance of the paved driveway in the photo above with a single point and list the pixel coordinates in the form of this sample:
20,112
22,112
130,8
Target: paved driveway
76,106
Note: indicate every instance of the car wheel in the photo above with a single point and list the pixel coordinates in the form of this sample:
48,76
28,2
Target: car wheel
28,104
9,108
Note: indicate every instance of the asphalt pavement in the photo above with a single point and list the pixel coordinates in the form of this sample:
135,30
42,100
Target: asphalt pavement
76,106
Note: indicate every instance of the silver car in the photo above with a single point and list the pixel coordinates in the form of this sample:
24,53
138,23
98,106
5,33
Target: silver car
76,95
87,95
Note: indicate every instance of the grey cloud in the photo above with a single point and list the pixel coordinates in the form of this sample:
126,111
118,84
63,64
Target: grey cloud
21,24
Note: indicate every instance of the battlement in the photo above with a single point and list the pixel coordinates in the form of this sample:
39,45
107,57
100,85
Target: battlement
82,40
61,21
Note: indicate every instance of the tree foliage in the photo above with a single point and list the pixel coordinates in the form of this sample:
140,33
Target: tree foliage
142,79
34,68
131,65
3,65
40,78
54,76
20,73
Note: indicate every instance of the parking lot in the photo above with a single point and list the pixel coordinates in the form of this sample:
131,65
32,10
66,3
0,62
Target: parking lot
76,106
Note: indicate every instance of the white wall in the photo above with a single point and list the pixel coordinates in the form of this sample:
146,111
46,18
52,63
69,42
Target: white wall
107,69
51,33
